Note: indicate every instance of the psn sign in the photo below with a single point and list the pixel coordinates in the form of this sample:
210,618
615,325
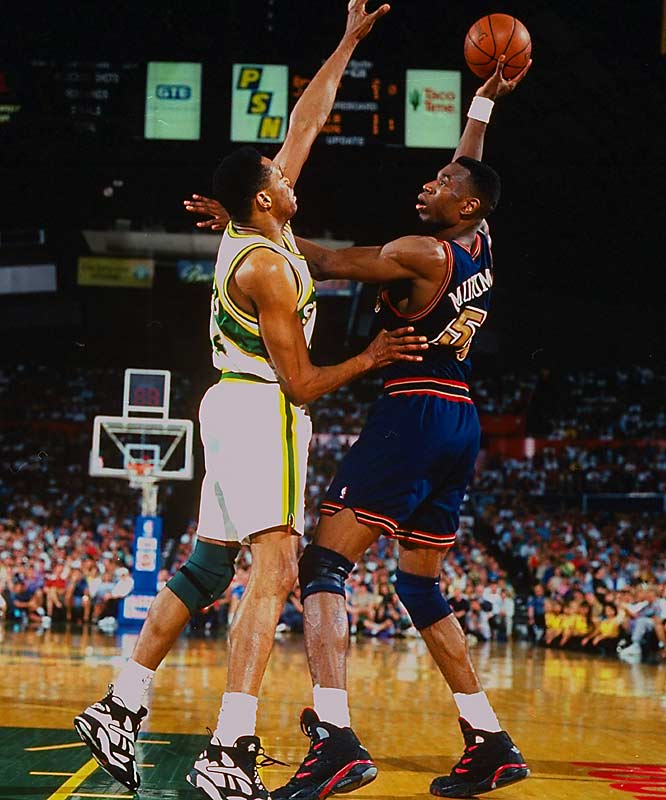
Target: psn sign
166,91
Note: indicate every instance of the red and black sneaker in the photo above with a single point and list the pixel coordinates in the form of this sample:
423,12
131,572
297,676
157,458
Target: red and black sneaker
336,763
490,761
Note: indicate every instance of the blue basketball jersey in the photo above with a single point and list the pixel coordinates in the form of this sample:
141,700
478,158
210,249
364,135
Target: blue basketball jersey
450,320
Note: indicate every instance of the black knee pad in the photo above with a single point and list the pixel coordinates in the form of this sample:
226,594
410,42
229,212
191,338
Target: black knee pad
421,597
205,575
322,570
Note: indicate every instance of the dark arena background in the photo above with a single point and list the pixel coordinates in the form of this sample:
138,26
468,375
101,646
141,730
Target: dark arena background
102,270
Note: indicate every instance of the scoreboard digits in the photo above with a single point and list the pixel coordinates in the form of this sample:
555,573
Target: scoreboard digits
368,108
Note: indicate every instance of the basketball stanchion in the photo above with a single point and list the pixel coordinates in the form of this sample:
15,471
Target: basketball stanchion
144,446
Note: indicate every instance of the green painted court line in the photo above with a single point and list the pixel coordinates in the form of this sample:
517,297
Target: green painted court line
73,783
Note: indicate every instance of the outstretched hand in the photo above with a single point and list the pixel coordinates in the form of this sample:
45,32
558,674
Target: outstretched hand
219,219
359,22
398,345
497,85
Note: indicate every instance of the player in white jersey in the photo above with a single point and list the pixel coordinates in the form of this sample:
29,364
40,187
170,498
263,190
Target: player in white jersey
255,433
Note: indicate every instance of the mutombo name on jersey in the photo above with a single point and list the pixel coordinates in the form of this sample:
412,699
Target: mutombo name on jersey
409,469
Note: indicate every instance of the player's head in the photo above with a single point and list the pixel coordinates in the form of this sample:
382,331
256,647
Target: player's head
247,184
465,191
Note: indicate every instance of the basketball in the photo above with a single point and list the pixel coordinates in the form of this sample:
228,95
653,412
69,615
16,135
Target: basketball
493,36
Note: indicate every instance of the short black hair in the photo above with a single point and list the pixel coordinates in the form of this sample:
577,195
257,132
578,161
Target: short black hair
486,183
237,180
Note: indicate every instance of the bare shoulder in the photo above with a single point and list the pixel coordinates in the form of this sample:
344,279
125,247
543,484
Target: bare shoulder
264,272
419,252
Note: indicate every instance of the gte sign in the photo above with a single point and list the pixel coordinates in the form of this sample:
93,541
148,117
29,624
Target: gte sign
166,91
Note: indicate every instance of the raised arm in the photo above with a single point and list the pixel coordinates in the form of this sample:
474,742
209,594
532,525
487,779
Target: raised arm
267,280
471,141
313,107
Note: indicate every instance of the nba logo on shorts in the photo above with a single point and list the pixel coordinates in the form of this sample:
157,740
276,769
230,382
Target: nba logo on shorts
343,492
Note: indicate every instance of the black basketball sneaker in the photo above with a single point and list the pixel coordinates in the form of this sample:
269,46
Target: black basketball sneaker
490,761
230,773
110,729
335,763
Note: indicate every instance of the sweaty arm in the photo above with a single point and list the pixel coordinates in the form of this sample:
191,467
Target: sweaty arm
268,282
407,258
313,107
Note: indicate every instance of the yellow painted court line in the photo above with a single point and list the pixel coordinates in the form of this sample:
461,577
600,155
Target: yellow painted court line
54,747
73,783
87,794
145,765
58,774
150,741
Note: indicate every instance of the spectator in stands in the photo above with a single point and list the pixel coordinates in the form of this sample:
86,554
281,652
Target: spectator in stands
554,621
506,613
460,606
478,624
291,618
606,632
27,601
54,590
536,612
491,594
361,607
640,622
77,596
102,586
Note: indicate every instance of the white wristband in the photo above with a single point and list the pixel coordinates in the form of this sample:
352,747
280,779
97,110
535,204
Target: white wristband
481,108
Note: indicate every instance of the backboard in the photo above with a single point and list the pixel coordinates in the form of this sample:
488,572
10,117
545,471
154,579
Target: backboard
165,444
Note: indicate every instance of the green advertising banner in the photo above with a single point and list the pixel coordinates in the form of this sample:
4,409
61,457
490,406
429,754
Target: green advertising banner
259,95
133,273
432,108
173,101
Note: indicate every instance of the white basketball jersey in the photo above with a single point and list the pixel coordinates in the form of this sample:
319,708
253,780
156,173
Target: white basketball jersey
235,337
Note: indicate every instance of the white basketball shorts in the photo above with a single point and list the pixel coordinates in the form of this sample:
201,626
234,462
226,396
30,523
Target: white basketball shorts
256,450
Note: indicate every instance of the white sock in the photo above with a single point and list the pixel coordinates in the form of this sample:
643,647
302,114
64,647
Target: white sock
476,709
332,705
238,717
132,683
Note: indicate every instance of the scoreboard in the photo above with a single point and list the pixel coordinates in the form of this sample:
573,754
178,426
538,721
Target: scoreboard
115,102
417,108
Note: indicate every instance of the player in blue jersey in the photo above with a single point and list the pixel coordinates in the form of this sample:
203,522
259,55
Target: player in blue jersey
406,475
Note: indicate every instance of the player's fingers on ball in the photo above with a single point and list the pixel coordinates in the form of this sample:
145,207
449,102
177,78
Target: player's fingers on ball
403,331
522,73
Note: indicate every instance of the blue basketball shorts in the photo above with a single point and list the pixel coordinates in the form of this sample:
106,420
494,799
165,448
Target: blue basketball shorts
408,471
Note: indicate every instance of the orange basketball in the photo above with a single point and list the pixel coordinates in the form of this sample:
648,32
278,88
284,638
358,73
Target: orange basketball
493,36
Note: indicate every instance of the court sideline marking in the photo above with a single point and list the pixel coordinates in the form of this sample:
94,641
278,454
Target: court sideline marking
72,784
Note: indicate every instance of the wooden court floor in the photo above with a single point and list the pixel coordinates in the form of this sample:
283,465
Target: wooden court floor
590,728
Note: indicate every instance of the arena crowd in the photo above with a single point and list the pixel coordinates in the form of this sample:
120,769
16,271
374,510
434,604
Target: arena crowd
593,581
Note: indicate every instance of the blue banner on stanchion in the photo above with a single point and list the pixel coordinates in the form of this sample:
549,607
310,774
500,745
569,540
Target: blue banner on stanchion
147,560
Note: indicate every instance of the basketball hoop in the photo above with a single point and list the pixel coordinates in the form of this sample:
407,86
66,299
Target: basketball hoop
141,477
140,473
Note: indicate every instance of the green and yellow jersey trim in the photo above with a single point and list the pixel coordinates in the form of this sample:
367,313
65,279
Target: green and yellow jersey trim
290,461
